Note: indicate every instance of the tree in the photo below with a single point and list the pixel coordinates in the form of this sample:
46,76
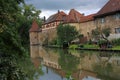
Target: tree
16,19
9,38
25,19
101,33
66,33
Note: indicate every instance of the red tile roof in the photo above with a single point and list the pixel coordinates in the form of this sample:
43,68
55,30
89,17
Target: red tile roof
87,18
111,7
60,16
34,27
74,16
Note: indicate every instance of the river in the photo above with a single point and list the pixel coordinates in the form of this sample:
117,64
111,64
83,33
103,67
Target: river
62,64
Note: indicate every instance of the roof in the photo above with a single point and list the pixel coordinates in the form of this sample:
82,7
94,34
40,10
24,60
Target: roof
87,18
74,16
60,16
110,7
34,27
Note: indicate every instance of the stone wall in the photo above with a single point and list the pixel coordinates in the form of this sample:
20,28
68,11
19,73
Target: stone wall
33,38
84,28
47,35
108,21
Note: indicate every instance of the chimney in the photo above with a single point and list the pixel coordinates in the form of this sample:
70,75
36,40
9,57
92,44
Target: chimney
44,19
58,11
83,14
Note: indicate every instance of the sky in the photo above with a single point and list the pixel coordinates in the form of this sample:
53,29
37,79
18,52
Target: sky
50,7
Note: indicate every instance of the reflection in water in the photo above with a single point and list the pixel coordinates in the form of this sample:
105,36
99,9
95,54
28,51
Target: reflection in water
58,64
32,72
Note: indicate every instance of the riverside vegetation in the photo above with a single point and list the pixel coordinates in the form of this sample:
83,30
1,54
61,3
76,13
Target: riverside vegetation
16,18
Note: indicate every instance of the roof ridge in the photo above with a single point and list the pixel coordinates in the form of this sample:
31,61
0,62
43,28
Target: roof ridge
110,7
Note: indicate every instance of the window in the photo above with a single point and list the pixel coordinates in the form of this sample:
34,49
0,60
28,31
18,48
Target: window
117,16
102,20
117,30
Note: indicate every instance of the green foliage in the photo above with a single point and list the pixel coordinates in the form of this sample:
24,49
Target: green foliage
101,42
15,23
97,33
89,46
30,71
106,31
25,18
66,33
9,38
116,41
9,69
73,46
53,42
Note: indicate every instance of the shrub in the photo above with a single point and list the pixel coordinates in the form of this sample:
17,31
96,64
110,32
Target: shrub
53,42
81,46
9,69
116,41
101,42
73,46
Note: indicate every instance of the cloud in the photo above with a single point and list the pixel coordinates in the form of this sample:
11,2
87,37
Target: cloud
65,4
80,5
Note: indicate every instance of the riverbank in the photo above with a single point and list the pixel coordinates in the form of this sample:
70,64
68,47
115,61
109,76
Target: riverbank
88,49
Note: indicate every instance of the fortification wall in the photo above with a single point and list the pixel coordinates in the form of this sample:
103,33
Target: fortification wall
47,35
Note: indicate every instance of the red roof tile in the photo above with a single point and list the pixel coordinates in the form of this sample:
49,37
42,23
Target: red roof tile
74,16
110,7
87,18
60,16
34,27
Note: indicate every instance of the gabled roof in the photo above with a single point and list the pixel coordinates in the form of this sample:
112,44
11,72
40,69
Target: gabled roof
74,16
111,7
87,18
60,16
34,27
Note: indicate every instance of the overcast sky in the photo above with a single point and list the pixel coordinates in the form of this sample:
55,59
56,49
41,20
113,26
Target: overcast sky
49,7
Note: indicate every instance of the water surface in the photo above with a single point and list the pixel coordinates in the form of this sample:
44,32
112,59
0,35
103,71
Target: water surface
59,64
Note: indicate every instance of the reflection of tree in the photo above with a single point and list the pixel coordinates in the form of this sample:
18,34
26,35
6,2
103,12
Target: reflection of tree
68,62
104,69
31,72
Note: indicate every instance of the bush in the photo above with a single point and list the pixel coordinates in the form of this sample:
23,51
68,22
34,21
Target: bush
102,42
9,69
73,46
116,41
53,42
81,46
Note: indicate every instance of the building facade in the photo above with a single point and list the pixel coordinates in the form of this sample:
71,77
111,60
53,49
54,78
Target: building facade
108,16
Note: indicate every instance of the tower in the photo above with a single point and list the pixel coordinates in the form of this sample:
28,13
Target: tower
34,39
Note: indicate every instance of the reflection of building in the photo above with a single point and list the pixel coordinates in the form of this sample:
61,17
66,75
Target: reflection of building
50,58
37,62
